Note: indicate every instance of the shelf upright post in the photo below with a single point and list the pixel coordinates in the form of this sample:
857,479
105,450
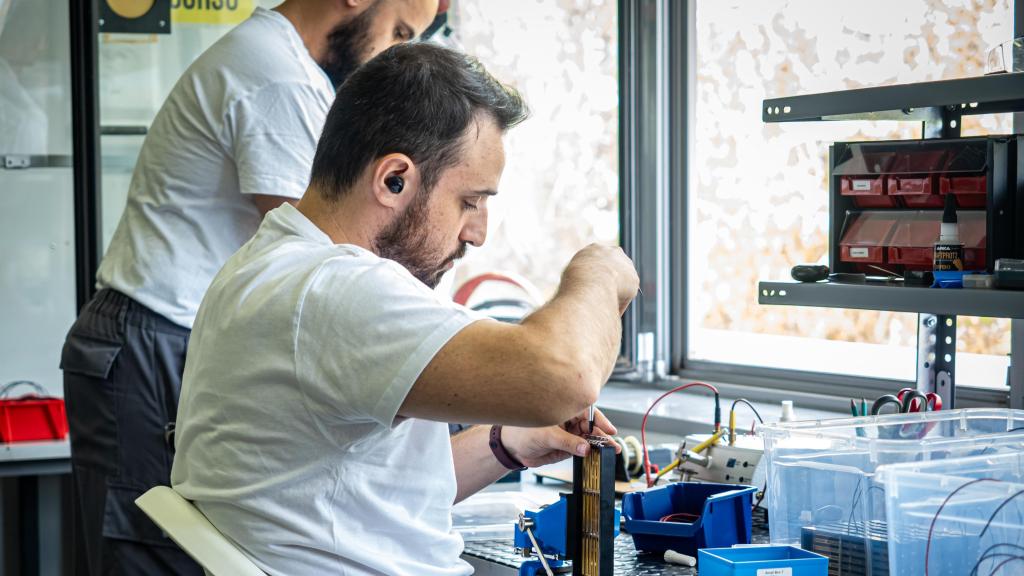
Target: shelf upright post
1015,373
936,356
945,359
936,334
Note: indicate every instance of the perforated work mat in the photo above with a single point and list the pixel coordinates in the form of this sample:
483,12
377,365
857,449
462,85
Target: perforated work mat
627,561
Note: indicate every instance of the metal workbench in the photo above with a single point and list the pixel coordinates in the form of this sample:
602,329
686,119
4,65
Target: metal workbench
496,557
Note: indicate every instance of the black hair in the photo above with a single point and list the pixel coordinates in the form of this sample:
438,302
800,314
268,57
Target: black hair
416,99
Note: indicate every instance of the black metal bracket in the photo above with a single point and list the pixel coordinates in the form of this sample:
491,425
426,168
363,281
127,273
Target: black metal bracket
936,356
944,125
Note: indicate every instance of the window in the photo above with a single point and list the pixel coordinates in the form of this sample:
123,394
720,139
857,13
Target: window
758,193
559,191
37,277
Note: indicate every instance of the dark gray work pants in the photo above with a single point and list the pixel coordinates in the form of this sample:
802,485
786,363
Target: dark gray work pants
122,374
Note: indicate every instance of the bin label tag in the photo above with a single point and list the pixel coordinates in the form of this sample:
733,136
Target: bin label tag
857,253
863,186
775,572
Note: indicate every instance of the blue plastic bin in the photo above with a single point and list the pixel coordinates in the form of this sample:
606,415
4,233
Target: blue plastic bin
724,511
761,561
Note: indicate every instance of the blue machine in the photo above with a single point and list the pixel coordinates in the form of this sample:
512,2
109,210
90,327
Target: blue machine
544,533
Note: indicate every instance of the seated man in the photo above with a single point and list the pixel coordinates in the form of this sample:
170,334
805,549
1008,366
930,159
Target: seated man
323,366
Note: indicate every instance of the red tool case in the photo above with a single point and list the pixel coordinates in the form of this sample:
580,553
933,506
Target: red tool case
31,417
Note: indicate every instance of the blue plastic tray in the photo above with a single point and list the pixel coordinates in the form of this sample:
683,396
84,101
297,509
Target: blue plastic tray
724,511
761,561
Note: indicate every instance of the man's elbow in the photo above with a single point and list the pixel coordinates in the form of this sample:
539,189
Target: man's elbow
574,387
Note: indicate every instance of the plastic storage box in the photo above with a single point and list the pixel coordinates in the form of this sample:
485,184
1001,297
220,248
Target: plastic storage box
761,561
490,515
959,517
821,474
720,516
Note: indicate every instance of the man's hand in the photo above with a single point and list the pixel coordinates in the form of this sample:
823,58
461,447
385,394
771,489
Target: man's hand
608,264
539,446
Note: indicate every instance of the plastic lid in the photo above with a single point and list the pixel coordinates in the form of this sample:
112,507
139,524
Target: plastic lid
871,228
921,229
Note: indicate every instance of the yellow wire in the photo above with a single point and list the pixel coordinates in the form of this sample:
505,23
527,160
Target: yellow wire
698,449
732,427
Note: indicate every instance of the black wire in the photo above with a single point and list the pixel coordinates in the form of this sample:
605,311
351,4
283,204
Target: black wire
986,555
935,518
996,511
751,406
1005,562
764,491
992,445
857,492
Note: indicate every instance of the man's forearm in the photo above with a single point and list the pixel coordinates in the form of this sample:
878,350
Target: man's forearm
475,465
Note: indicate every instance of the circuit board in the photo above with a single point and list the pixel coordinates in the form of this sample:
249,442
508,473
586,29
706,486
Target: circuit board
592,512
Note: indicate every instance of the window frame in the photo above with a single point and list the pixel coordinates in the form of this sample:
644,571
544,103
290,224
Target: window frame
669,28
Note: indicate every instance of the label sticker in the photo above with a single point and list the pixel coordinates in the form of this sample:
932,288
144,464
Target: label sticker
211,11
775,572
858,252
862,185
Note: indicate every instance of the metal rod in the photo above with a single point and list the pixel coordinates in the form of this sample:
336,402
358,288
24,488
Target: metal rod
540,553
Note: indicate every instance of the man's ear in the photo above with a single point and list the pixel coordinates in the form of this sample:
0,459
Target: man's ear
395,180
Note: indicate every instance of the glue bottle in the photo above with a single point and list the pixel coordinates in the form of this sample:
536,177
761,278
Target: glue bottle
949,251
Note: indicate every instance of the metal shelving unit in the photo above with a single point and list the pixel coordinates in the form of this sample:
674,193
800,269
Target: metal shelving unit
928,102
966,302
939,106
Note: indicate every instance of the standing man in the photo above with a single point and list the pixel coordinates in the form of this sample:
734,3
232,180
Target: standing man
234,139
323,367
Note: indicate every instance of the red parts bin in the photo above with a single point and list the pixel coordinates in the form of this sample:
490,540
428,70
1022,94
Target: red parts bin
865,237
913,178
867,191
913,240
31,417
916,191
970,191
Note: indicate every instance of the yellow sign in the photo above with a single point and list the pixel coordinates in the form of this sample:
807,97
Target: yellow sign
211,11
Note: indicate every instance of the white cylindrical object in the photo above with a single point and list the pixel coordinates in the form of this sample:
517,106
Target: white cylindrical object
787,411
673,557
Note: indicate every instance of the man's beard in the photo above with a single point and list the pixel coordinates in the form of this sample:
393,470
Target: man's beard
346,45
407,241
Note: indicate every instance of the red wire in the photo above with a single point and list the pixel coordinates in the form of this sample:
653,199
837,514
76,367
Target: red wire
643,425
681,517
931,529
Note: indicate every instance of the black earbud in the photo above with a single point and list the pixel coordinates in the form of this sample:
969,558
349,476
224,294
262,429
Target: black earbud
395,184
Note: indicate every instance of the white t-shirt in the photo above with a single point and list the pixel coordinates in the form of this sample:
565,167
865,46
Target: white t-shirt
302,353
243,119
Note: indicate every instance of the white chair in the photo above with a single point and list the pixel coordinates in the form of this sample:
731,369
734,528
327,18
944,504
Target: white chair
190,530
